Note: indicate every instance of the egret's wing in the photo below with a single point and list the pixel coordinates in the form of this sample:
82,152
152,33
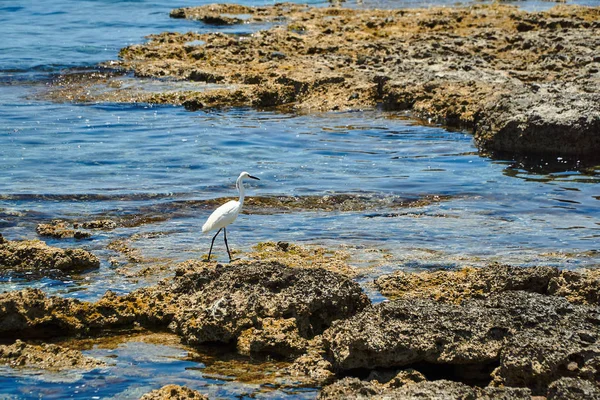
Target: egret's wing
222,216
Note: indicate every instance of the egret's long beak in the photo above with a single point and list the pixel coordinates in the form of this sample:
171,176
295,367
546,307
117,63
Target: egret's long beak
253,177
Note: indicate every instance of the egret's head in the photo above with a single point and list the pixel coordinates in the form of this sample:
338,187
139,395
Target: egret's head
245,175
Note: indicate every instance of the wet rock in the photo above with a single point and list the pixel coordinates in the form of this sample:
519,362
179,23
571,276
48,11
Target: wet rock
456,286
45,356
104,224
60,230
174,392
227,300
525,339
29,313
573,389
266,307
272,336
36,256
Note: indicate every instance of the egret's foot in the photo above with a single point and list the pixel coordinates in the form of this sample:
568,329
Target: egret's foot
207,259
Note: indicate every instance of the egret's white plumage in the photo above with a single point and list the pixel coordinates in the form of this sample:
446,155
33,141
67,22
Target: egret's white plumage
226,214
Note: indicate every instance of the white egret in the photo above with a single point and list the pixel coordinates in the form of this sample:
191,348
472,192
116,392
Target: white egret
226,214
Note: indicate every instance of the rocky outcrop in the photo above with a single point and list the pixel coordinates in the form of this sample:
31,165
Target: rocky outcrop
36,256
521,81
45,356
511,338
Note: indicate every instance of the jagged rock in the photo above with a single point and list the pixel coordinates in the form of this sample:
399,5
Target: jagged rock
313,367
227,300
174,392
104,224
45,356
37,256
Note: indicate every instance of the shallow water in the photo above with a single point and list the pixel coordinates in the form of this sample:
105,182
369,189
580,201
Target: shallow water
83,162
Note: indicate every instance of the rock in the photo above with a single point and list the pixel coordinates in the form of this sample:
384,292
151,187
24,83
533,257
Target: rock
555,119
227,300
534,339
573,389
45,356
466,283
36,256
354,388
174,392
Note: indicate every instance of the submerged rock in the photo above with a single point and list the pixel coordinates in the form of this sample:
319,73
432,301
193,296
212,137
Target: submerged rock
174,392
45,356
36,256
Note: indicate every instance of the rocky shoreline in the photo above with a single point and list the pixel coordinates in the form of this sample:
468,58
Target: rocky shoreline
521,82
492,332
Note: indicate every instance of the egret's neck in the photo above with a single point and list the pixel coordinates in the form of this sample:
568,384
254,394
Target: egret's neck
240,185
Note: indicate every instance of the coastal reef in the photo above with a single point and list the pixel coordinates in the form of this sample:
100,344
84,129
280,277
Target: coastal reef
498,331
520,81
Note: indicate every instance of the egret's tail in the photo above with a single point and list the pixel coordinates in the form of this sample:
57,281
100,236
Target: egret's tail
205,228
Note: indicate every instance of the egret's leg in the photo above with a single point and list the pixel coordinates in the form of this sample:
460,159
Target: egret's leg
213,242
226,245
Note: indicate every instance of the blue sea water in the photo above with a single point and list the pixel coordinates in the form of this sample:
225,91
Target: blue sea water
82,161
